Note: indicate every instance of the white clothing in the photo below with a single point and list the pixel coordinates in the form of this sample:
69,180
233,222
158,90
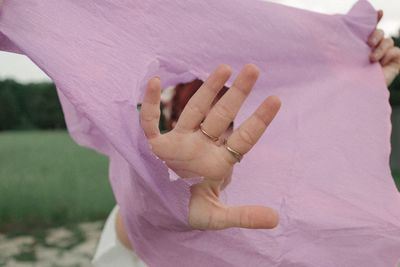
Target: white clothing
110,251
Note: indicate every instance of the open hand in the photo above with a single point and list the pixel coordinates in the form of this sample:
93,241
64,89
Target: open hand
384,52
191,150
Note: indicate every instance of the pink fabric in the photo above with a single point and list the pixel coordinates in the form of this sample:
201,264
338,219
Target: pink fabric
323,163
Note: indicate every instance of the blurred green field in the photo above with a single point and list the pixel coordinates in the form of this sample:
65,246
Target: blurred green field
48,180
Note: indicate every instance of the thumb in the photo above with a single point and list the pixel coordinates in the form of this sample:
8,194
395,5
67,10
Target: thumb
252,217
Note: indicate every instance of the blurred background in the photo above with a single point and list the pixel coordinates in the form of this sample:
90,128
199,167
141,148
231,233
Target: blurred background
55,195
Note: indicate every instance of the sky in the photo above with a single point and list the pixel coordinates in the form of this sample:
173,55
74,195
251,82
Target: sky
22,69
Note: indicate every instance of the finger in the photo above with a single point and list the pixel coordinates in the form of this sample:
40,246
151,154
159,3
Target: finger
390,74
391,65
252,217
198,106
225,110
247,135
380,15
376,38
150,109
393,55
381,50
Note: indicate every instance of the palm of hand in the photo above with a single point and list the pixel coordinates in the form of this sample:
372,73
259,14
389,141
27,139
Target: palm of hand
190,153
196,156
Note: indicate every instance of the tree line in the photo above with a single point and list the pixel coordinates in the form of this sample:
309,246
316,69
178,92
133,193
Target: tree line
29,106
36,105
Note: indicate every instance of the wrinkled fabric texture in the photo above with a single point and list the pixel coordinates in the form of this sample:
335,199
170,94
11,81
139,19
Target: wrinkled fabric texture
323,164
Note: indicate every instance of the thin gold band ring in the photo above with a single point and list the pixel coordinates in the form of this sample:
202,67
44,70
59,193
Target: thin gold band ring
233,152
213,138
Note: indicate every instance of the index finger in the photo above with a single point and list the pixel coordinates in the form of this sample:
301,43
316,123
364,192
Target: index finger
150,110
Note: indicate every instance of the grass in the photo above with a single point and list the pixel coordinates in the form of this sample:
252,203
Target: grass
48,180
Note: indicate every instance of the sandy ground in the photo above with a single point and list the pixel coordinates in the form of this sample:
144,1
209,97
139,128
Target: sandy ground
59,247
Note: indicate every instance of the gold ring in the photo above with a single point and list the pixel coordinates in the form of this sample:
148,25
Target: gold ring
233,152
213,138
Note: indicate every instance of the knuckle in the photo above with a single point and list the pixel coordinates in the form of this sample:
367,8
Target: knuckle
196,109
261,121
224,112
245,219
371,40
378,53
390,41
148,117
246,137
